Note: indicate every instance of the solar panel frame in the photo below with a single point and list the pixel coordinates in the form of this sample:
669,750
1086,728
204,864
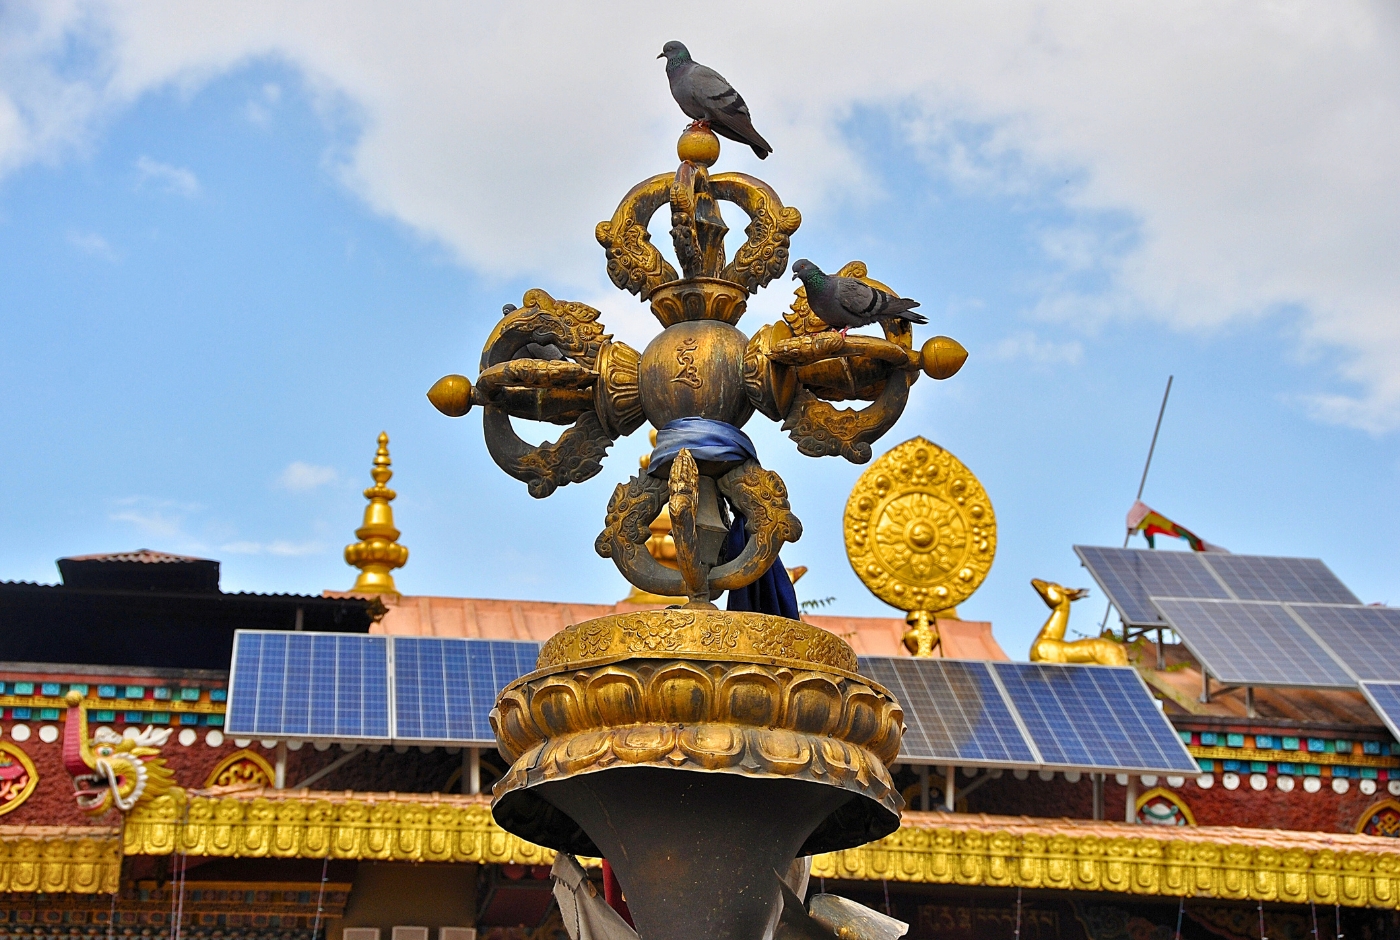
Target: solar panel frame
935,717
446,686
1364,640
325,704
1264,645
1278,578
1384,698
1163,574
1128,734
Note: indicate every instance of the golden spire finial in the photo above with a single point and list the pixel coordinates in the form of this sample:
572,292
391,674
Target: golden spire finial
377,552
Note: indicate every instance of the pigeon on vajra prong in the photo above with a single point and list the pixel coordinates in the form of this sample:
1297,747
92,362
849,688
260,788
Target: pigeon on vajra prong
712,102
843,303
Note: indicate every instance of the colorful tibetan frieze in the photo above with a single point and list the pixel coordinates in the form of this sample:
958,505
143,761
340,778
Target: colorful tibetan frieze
18,778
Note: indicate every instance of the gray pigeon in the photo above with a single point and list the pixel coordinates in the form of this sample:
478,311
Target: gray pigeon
705,96
843,303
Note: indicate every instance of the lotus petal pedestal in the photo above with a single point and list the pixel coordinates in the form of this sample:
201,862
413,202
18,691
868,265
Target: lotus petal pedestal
698,751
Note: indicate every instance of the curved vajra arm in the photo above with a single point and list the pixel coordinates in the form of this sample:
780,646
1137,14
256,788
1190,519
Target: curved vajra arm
758,494
535,373
684,505
815,347
544,389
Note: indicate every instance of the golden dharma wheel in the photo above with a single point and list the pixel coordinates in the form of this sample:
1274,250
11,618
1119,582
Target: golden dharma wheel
920,530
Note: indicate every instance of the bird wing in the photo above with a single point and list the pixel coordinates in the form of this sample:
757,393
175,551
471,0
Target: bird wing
712,92
859,299
724,107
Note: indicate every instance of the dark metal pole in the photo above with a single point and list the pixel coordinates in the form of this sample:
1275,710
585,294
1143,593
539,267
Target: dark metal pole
1142,485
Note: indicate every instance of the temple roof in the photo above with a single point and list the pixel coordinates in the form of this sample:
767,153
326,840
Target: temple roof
164,629
141,570
489,618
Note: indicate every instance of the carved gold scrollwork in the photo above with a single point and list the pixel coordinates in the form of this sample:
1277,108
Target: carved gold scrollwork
634,263
684,485
762,498
757,493
551,390
764,255
769,384
697,231
617,393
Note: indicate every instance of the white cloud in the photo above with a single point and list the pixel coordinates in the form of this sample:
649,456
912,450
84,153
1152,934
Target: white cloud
1254,148
151,522
93,244
301,477
173,179
1029,347
164,518
281,547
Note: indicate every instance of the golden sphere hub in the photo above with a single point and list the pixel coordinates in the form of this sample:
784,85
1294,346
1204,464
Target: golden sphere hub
920,533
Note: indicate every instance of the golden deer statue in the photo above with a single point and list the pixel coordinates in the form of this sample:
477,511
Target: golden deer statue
1050,645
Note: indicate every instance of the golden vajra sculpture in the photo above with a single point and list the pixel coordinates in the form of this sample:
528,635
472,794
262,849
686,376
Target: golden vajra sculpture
690,746
1050,645
551,360
921,534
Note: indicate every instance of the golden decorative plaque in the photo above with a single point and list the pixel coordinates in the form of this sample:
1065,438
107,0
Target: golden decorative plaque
920,531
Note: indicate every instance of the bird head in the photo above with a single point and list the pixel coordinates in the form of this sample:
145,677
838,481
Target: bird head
802,268
674,52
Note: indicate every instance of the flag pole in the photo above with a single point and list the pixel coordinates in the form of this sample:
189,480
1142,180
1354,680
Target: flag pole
1142,485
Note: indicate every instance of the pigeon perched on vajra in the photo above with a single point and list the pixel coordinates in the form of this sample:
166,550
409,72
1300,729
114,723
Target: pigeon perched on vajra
844,303
709,100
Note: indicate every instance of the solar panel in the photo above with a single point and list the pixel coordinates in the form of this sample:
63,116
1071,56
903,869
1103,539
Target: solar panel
444,689
1265,578
953,712
1094,717
1365,639
1252,643
1385,699
1132,576
309,685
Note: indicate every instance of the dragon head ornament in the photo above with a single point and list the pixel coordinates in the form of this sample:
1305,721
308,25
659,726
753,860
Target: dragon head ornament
111,771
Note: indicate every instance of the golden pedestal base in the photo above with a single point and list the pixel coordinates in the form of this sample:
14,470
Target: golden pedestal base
702,691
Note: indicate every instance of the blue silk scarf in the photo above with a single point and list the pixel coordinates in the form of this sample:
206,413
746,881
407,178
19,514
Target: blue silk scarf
715,440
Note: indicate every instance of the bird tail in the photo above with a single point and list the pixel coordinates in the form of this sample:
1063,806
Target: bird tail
899,310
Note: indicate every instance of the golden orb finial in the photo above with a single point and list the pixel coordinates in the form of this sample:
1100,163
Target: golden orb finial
452,395
698,145
378,551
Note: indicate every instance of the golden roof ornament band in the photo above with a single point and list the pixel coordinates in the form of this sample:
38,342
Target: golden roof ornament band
921,533
377,552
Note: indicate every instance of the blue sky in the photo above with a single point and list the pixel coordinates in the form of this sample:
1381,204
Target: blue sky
225,268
